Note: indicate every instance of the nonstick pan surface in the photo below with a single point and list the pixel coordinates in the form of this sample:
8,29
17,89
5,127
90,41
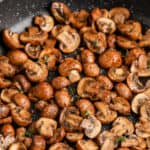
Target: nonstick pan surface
17,14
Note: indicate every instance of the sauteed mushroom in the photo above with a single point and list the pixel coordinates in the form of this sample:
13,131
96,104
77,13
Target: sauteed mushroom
45,22
11,39
17,146
60,146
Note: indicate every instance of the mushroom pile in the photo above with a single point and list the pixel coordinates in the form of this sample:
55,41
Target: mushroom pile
73,80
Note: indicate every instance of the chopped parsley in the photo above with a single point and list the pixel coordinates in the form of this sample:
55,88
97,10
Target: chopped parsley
28,134
120,139
86,113
148,64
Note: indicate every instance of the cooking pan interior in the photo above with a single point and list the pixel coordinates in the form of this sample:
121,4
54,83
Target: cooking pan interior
17,14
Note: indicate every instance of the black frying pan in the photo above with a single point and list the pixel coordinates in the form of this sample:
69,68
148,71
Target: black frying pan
17,14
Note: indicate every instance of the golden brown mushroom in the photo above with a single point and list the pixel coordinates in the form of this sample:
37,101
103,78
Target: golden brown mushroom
96,42
111,40
78,19
91,126
4,83
126,43
21,117
70,68
144,110
41,91
45,22
63,98
122,126
11,39
17,146
35,71
46,126
120,105
8,130
50,56
17,57
110,58
86,144
118,74
4,111
60,146
106,25
33,36
119,14
60,82
86,107
74,136
123,90
104,113
61,12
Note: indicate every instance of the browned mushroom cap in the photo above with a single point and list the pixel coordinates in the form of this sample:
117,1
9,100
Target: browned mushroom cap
7,94
33,51
86,107
50,111
87,29
6,69
86,144
126,43
111,40
69,119
50,56
87,88
70,68
4,83
91,69
120,105
132,29
106,140
74,136
138,100
11,39
21,83
33,36
119,14
134,83
57,29
21,117
133,54
45,22
96,42
141,65
63,98
41,91
58,136
144,110
87,56
35,71
60,82
17,146
60,146
110,58
122,126
142,128
17,57
118,74
8,130
106,25
123,90
39,105
123,148
78,19
61,12
21,100
69,39
97,13
46,126
145,42
148,142
91,126
38,143
105,82
104,113
4,111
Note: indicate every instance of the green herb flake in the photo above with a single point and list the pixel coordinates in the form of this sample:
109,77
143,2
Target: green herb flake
148,64
120,139
21,91
28,134
72,91
86,113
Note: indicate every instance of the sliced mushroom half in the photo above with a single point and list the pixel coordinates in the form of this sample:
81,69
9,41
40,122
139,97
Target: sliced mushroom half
106,25
91,126
45,22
